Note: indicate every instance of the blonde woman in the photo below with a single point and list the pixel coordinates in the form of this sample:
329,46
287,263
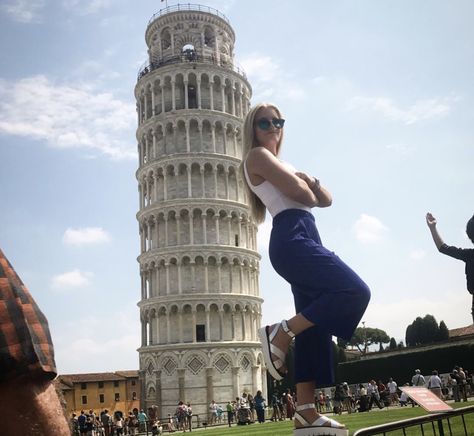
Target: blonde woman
330,298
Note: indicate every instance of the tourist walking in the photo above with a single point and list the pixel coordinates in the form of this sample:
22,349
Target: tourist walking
434,384
260,407
393,391
330,298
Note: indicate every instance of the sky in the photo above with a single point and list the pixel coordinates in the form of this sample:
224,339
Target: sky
378,98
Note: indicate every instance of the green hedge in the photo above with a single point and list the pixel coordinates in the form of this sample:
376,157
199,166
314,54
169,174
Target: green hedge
401,366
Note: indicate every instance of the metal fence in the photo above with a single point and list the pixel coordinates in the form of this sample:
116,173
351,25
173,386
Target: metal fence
191,57
436,424
187,7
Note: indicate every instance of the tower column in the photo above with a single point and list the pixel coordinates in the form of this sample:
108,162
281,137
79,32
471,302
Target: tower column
166,230
163,107
188,144
159,400
226,180
236,380
241,114
186,97
139,110
198,92
156,178
167,269
209,385
173,95
213,133
165,186
232,89
178,229
152,100
181,386
204,228
144,341
194,324
206,277
145,104
203,184
190,188
223,97
191,228
211,94
180,286
208,325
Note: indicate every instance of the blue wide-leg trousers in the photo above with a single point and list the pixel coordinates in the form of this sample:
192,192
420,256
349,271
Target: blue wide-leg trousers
326,292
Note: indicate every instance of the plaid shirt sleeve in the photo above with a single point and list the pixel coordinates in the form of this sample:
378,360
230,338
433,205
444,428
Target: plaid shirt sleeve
25,342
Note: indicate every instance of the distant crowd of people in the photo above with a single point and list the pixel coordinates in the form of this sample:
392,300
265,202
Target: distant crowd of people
105,424
458,385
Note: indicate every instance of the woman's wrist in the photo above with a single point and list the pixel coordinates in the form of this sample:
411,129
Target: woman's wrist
316,186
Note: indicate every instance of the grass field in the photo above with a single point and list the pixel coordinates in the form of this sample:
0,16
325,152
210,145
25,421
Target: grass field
354,422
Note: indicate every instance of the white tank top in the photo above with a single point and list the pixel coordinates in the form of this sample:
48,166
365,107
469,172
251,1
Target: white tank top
273,199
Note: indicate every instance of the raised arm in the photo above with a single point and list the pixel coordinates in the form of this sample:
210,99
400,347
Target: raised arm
431,221
263,165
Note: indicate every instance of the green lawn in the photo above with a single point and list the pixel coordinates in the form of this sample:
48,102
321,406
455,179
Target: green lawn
353,422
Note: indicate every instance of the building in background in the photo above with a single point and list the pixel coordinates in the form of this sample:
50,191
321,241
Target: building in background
113,391
200,302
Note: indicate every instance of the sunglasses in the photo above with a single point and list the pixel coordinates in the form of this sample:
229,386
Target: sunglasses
265,124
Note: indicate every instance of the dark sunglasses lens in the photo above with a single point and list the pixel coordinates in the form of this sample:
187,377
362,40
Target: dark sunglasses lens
263,124
278,122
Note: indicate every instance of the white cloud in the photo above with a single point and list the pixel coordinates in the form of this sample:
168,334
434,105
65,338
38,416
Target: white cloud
67,116
23,11
369,229
417,254
428,109
90,336
85,236
394,317
270,80
71,279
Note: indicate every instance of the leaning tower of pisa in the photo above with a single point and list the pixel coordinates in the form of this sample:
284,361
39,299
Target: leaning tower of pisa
200,302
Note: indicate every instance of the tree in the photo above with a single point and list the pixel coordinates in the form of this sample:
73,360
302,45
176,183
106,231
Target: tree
422,331
409,335
364,337
443,333
393,344
429,330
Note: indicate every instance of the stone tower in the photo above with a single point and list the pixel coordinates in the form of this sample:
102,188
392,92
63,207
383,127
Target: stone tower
200,302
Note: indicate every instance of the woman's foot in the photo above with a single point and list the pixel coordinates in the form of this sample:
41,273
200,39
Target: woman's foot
310,415
275,341
309,422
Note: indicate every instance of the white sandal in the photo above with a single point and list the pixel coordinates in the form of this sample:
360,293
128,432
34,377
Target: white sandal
266,338
319,427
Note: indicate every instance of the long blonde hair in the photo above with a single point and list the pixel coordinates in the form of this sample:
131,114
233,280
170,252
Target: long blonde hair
257,208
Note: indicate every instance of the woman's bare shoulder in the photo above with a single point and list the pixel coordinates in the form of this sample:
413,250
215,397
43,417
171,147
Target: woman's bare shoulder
259,155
